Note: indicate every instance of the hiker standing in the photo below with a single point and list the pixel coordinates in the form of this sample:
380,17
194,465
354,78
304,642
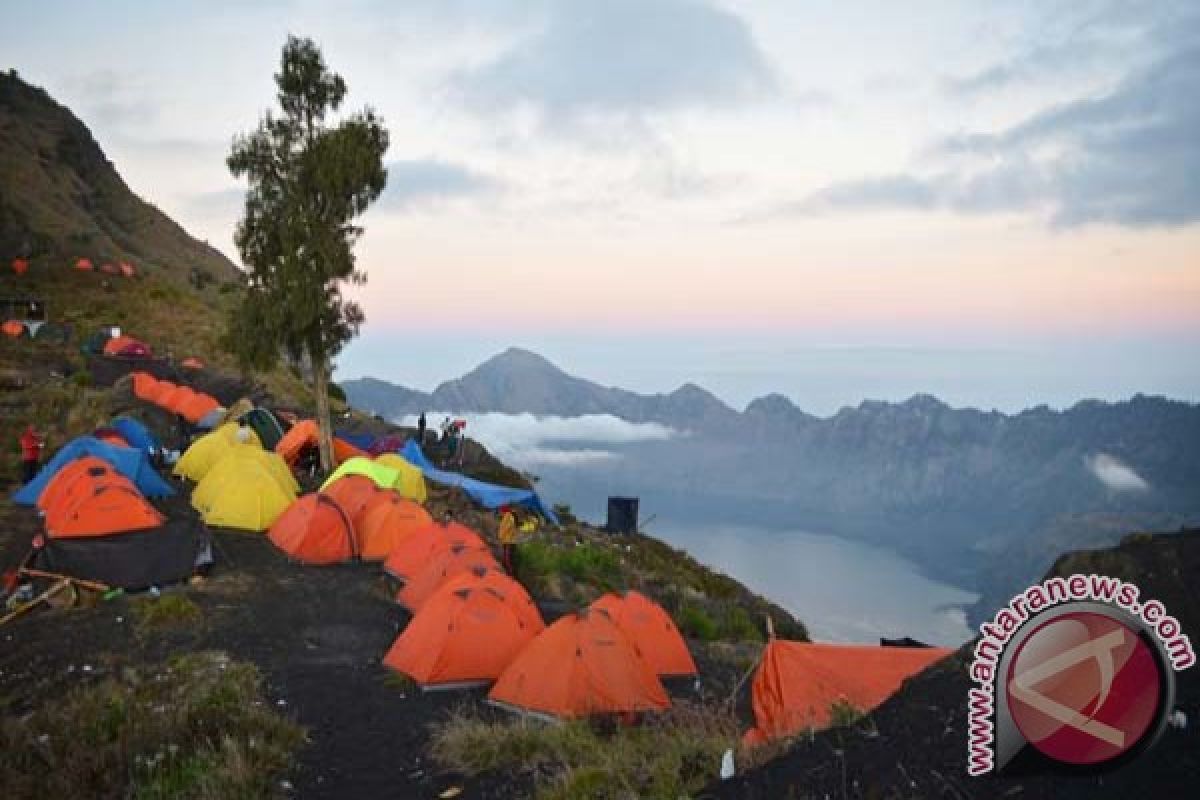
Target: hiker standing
31,453
421,429
508,540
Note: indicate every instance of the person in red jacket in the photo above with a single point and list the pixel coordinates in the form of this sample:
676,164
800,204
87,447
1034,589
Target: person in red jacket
31,453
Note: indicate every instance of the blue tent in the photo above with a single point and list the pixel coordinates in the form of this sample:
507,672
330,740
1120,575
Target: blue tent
137,434
488,495
132,463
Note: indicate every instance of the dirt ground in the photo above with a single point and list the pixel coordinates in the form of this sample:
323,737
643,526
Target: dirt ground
317,635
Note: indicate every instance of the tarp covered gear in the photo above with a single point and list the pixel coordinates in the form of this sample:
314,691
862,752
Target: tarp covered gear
102,507
137,434
129,560
466,637
243,490
488,495
14,329
207,450
265,425
409,557
581,665
127,346
315,530
132,463
647,624
411,483
798,683
303,435
384,522
353,493
442,566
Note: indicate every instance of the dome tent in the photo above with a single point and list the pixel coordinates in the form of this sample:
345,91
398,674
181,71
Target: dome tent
384,522
646,623
461,638
581,665
410,556
314,530
133,464
210,448
411,481
444,565
243,491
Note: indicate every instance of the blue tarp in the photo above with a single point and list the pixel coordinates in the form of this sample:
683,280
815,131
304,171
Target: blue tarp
133,464
488,495
362,441
137,434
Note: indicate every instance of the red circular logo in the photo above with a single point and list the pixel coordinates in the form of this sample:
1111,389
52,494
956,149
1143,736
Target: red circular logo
1084,688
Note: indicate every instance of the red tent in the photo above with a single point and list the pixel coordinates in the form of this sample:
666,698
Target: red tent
20,266
84,265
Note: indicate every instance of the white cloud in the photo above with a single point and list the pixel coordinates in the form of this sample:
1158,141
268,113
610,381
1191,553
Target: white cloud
1115,474
528,440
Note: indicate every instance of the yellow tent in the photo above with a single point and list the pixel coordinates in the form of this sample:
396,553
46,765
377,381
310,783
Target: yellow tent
243,491
411,483
207,491
210,448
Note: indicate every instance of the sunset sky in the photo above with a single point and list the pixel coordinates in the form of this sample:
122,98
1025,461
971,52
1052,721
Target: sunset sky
994,202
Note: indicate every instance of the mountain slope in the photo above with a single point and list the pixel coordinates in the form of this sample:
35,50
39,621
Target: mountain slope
518,381
61,198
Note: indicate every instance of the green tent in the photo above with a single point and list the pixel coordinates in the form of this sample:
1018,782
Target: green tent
264,424
383,476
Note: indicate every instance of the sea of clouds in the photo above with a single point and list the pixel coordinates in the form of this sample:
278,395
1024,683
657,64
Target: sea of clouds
528,440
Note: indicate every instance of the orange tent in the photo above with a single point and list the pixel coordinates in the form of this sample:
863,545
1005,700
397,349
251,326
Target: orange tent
460,639
582,664
353,493
496,580
65,477
647,624
106,509
385,521
13,328
304,434
798,683
82,485
191,362
20,266
410,556
127,269
84,264
451,561
194,406
125,345
314,530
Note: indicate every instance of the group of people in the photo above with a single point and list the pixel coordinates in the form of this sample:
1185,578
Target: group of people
449,441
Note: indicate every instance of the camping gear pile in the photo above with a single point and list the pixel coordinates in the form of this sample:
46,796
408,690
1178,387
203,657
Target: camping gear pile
181,400
99,526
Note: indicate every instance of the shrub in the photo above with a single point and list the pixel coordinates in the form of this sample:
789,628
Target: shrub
167,611
736,625
696,623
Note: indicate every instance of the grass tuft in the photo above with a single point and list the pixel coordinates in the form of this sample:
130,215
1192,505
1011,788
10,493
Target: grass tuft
669,756
194,728
166,611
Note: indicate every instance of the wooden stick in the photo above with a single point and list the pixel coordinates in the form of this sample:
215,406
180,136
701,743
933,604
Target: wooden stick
41,598
38,573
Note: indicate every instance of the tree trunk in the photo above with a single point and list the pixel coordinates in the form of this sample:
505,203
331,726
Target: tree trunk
320,368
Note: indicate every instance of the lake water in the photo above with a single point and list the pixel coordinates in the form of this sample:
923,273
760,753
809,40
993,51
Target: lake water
842,590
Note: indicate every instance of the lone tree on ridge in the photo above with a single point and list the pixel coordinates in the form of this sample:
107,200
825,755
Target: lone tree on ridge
308,179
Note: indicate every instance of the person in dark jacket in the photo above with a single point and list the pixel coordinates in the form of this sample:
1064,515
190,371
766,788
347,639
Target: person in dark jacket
421,429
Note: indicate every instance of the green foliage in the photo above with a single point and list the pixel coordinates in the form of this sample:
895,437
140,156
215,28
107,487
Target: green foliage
196,728
167,611
695,622
842,714
82,379
586,563
308,180
668,756
337,393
